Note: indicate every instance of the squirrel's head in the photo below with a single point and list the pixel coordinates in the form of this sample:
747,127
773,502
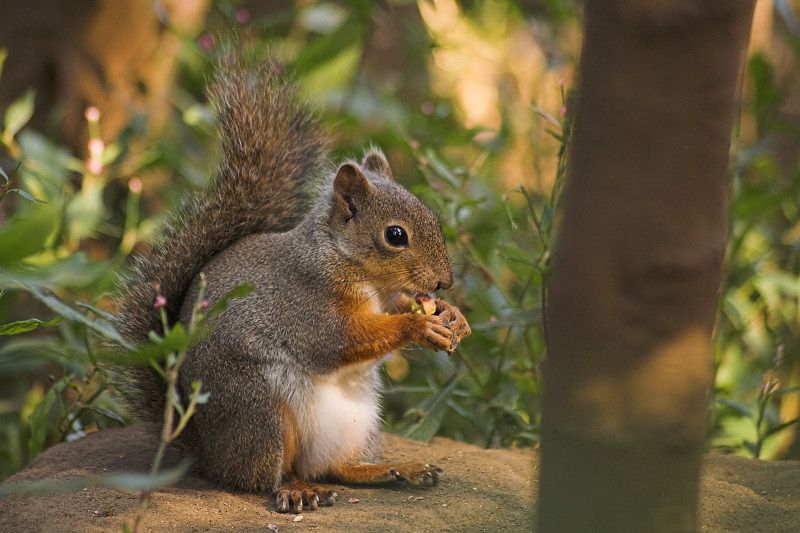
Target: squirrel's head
392,239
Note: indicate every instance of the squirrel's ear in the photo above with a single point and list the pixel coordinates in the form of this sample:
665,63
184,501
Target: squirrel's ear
375,161
350,187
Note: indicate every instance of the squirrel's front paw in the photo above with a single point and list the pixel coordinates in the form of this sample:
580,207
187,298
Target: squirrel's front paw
432,332
454,320
416,474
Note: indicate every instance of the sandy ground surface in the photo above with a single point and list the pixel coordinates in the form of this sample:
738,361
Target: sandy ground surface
484,490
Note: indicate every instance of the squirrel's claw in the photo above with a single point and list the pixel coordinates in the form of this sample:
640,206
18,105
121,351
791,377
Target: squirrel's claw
416,474
433,333
294,499
455,321
326,497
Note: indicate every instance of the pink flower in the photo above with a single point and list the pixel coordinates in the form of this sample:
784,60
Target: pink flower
161,301
203,305
563,110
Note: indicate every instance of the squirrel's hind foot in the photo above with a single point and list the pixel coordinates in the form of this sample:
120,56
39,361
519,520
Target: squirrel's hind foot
298,496
369,473
417,474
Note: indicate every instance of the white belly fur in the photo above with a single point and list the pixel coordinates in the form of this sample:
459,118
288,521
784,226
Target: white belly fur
336,419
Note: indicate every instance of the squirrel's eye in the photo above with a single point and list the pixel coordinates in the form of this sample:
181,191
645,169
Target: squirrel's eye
396,236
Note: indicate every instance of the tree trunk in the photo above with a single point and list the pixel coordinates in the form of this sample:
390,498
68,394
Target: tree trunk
633,293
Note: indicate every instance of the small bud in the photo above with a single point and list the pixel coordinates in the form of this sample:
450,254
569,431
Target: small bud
135,185
203,305
161,301
427,107
94,166
563,110
206,42
562,83
414,144
92,114
242,15
96,147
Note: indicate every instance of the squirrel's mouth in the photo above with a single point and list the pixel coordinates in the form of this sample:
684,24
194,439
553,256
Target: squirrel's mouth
415,294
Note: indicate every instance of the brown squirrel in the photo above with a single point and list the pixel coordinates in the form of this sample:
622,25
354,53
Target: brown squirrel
292,369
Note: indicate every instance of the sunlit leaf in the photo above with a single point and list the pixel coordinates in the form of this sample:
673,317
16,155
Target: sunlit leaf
105,315
98,324
106,413
736,406
240,291
27,233
18,114
28,196
40,418
4,176
511,318
133,482
25,354
433,412
3,56
327,47
23,326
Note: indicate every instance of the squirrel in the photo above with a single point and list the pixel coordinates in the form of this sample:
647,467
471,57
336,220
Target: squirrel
293,368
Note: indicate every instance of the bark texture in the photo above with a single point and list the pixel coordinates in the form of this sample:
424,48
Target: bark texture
637,268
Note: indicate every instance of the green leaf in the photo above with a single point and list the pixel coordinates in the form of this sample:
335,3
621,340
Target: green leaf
556,135
99,325
18,114
28,196
176,340
105,315
516,317
547,218
40,418
434,410
441,169
23,326
132,482
85,212
327,47
74,271
240,291
780,427
106,413
28,233
3,56
25,354
736,406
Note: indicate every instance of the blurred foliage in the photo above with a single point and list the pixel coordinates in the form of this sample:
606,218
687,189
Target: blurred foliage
468,102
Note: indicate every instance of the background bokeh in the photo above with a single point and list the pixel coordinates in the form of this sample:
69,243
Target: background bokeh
471,103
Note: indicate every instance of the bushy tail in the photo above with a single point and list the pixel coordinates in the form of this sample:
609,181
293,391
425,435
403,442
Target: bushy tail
271,145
